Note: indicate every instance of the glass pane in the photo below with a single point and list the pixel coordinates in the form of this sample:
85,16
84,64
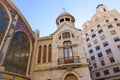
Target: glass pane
3,22
66,51
16,59
70,52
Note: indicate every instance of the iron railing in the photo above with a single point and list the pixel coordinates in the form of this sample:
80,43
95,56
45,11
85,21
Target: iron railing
68,60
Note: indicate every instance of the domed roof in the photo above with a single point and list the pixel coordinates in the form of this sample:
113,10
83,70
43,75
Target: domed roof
99,5
65,14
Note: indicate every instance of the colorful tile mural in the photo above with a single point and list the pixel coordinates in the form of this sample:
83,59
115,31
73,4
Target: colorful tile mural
22,27
12,11
11,77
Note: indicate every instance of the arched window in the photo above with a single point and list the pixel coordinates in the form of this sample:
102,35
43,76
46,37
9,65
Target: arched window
71,77
67,49
104,9
39,54
61,20
44,53
49,53
66,35
73,36
4,19
16,58
67,19
59,37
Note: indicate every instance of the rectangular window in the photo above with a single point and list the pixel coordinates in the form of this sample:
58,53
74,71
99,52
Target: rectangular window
89,45
93,35
118,46
100,31
108,51
98,26
92,30
87,39
113,32
90,51
100,54
88,60
95,41
105,44
110,26
115,19
97,47
92,58
95,65
118,24
116,39
86,34
102,37
67,19
61,20
66,35
112,59
97,74
107,20
106,72
116,69
102,62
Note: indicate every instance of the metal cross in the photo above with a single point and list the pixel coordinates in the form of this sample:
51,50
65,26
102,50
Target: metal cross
64,10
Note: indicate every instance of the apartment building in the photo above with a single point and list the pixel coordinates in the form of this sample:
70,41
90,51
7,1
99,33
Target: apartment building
101,37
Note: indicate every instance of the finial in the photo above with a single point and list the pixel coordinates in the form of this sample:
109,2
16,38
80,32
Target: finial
64,10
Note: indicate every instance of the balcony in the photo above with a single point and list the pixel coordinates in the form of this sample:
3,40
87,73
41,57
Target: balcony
69,62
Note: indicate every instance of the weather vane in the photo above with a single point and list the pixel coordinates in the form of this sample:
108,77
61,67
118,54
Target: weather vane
64,10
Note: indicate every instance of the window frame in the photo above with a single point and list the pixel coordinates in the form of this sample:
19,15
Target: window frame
100,55
100,31
116,69
106,72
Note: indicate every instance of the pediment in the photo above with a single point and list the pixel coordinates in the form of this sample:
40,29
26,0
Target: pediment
65,27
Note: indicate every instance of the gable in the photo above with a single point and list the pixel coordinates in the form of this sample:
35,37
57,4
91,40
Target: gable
64,28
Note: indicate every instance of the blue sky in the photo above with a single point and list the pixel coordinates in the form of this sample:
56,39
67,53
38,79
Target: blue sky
42,14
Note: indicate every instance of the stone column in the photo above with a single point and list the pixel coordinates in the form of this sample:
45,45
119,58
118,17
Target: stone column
35,51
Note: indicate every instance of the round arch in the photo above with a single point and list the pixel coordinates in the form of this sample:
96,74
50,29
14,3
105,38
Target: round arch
17,56
5,28
29,39
70,76
66,31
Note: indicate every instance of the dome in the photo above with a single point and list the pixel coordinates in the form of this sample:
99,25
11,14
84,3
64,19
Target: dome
99,5
64,14
101,8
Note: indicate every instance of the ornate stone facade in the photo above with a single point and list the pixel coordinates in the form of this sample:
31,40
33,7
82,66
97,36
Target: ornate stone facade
65,58
62,55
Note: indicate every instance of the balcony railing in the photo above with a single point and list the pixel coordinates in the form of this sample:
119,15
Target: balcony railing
68,60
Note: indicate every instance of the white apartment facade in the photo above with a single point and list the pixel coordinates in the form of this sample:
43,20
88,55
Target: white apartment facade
101,37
